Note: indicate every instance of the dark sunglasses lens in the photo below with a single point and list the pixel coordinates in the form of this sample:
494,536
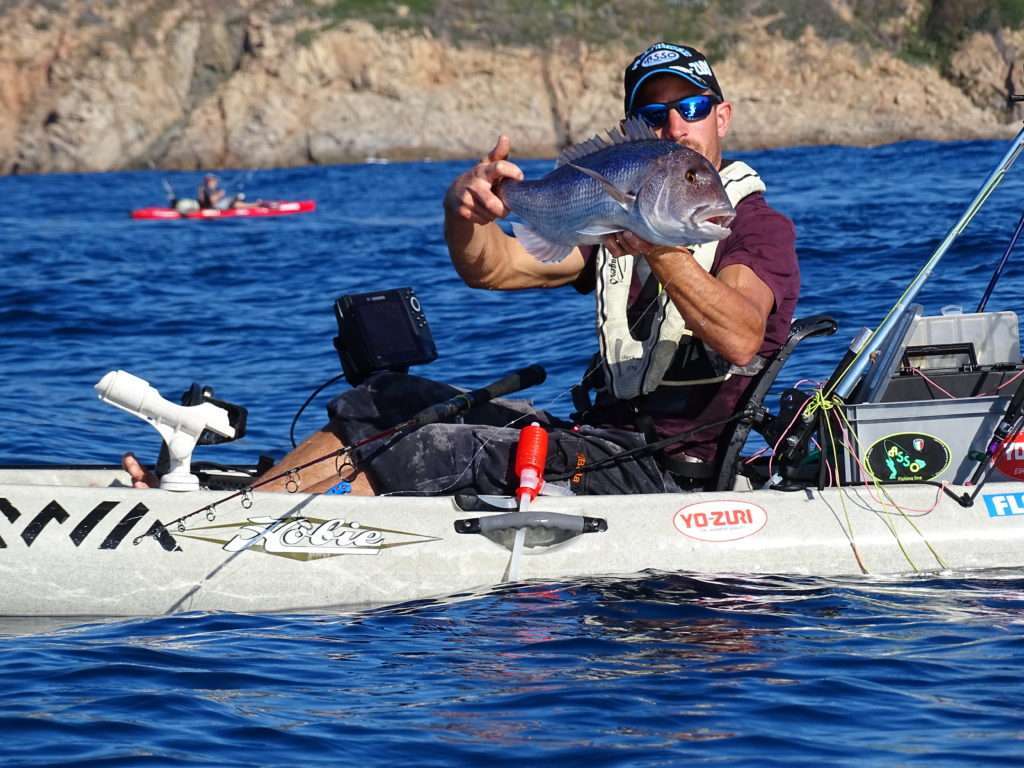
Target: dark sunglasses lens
654,115
691,109
694,108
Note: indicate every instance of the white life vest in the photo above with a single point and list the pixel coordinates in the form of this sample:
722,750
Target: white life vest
634,367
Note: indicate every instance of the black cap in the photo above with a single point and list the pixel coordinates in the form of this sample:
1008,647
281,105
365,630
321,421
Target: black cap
666,58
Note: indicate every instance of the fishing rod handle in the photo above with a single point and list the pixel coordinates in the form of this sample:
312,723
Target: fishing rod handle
519,379
523,378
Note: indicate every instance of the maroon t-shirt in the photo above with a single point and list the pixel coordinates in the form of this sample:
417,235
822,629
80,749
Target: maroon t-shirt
765,241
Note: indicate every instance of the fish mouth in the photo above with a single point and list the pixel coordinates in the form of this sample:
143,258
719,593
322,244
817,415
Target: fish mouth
714,220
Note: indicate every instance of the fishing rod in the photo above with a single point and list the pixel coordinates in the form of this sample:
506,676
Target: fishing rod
169,191
1001,266
849,378
522,378
1013,99
859,356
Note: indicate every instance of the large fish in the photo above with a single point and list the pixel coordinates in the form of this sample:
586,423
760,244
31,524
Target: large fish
664,192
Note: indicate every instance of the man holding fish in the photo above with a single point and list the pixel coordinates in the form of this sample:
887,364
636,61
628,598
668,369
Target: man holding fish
735,298
695,278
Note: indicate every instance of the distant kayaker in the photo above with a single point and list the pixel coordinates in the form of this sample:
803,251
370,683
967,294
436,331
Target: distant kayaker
211,195
682,330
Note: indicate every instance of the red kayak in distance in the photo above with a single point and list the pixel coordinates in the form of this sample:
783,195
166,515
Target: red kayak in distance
270,208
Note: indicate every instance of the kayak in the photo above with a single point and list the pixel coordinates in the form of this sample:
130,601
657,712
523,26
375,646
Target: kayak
911,498
79,542
271,208
83,542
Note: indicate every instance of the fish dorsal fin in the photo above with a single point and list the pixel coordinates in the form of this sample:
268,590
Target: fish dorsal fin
537,246
621,196
633,129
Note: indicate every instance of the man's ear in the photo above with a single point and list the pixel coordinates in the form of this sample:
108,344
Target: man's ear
723,118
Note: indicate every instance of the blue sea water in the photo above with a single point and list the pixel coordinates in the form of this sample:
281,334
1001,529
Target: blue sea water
664,669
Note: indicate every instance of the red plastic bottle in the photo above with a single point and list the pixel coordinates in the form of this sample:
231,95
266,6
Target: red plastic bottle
531,455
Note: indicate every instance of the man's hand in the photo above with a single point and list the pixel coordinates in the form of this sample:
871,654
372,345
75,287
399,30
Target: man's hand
472,195
141,477
625,242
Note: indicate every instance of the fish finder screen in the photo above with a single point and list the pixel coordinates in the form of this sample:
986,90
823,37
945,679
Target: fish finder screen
386,329
381,331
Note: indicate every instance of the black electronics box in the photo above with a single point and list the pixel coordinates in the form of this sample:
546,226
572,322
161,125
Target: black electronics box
381,331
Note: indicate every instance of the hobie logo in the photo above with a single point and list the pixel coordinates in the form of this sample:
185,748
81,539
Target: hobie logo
720,520
302,535
1004,504
658,57
304,538
616,272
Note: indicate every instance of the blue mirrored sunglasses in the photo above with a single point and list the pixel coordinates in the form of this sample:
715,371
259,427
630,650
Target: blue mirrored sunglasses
691,109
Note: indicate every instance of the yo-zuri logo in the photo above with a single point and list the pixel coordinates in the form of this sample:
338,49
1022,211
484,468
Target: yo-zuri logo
1010,459
720,520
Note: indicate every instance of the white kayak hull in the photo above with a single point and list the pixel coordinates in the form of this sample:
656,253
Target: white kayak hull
74,543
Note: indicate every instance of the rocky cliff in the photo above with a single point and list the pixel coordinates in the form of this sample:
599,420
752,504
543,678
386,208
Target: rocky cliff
91,86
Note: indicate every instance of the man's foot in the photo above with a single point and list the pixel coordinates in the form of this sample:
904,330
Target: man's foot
141,477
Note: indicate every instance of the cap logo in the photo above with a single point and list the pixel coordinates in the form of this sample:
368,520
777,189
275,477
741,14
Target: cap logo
699,68
658,57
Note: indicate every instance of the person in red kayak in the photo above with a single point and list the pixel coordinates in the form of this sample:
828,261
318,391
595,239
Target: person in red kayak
211,195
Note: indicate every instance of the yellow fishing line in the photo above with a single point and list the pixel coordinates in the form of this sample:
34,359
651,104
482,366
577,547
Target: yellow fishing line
880,487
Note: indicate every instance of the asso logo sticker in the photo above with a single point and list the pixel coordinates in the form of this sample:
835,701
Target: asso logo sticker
907,457
720,520
659,57
1010,459
1004,504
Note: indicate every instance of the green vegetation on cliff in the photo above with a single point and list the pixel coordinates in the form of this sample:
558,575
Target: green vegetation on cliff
923,31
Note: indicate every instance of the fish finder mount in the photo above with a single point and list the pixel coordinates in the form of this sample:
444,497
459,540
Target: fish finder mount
381,331
203,420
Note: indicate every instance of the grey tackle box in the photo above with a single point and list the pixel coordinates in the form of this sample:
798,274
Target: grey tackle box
914,430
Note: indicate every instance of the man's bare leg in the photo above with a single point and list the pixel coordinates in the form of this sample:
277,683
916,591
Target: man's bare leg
316,478
323,475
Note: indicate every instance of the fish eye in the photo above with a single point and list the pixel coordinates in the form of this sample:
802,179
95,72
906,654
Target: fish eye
691,176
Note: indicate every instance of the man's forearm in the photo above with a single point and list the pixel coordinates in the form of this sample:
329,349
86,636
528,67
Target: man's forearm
486,257
476,251
729,314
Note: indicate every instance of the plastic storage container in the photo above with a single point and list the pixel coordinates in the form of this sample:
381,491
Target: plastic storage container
919,440
995,335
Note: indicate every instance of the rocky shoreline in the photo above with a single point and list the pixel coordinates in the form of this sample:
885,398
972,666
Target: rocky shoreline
189,86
